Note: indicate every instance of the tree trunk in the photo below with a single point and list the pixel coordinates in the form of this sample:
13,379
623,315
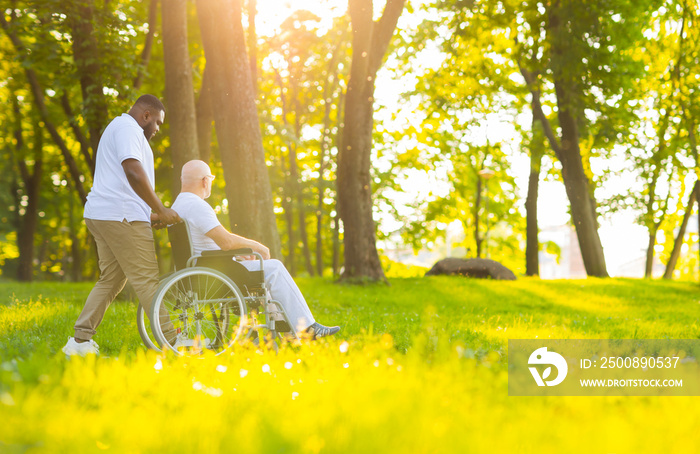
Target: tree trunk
319,234
676,252
304,234
179,92
336,244
650,214
147,46
692,139
537,149
532,244
237,125
568,151
205,118
32,186
321,191
324,151
336,214
293,191
288,175
301,213
649,262
291,260
86,54
253,43
578,190
28,220
76,250
287,208
477,216
653,226
354,185
656,161
370,42
85,147
299,193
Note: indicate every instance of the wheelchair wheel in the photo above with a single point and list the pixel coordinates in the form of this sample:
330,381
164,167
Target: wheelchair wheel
144,326
198,309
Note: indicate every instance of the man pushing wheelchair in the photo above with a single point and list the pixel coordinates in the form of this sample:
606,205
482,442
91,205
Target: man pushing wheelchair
121,207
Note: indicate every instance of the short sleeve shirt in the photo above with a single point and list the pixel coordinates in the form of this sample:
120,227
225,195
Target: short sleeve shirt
112,198
201,218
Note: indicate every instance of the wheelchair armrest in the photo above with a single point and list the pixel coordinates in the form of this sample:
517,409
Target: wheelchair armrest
217,253
213,253
232,253
247,251
243,251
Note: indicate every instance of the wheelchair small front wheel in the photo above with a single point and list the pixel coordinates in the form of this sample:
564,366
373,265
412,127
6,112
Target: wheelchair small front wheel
198,309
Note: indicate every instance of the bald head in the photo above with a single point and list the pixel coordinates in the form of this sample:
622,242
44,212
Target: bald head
196,177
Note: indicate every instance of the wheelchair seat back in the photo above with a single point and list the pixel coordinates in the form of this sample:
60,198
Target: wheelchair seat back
182,250
180,244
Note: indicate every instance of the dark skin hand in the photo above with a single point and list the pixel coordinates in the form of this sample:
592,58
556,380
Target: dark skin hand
138,180
155,223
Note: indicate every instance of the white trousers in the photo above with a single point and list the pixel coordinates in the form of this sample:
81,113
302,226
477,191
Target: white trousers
282,288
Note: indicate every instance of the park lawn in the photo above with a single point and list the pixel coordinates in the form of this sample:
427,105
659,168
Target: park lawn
419,366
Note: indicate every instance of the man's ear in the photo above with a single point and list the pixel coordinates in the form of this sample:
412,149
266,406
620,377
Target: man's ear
146,114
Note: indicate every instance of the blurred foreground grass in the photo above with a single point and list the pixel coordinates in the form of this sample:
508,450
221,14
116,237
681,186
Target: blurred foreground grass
419,367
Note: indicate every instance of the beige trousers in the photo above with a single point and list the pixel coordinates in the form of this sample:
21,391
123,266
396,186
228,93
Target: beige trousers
125,251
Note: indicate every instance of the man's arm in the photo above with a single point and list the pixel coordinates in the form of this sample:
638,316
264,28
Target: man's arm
138,180
228,241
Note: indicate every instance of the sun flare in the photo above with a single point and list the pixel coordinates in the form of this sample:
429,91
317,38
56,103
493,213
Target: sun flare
271,13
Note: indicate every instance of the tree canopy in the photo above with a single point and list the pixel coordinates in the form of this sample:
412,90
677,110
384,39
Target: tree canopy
342,132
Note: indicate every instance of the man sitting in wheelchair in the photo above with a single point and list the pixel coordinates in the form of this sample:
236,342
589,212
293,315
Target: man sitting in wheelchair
207,233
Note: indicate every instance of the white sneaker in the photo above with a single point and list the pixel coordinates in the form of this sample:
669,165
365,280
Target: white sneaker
74,348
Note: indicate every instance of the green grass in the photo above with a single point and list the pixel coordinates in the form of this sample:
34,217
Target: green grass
420,366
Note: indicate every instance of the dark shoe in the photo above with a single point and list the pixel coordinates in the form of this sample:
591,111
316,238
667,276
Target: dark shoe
317,330
254,338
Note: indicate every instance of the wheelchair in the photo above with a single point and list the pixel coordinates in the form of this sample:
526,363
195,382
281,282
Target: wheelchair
210,302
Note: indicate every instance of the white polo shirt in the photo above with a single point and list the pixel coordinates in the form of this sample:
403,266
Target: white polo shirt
111,197
201,218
